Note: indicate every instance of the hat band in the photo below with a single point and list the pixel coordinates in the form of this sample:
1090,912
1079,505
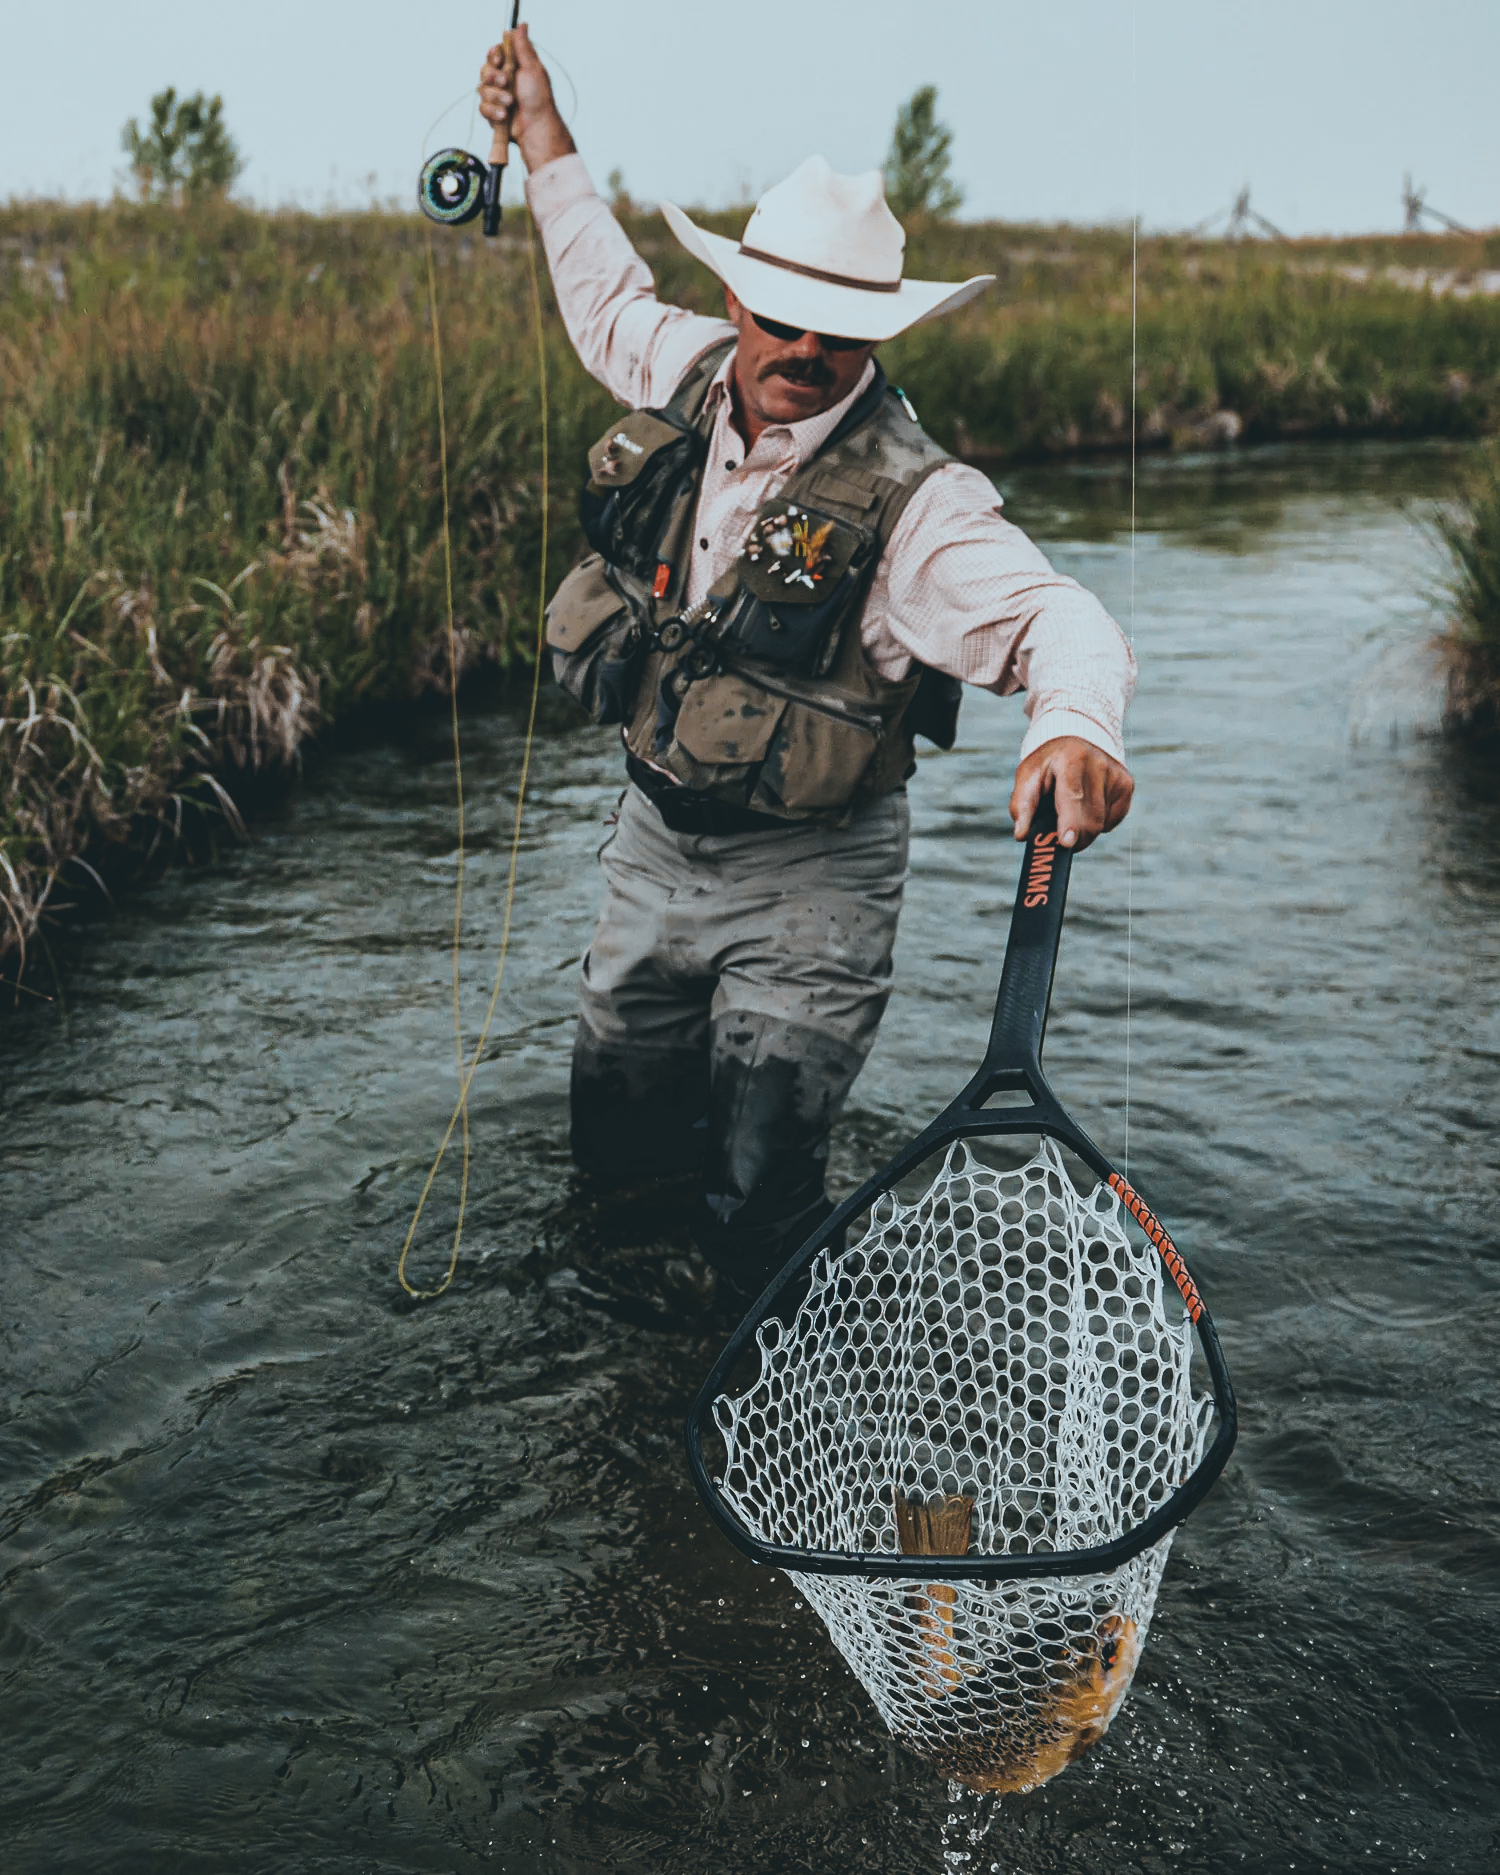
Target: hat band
817,273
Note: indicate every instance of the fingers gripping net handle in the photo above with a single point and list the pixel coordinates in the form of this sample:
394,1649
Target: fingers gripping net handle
1002,1350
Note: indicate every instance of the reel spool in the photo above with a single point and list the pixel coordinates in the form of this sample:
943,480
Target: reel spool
451,189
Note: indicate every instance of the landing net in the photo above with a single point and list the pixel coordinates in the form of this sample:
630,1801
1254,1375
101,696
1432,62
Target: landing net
994,1370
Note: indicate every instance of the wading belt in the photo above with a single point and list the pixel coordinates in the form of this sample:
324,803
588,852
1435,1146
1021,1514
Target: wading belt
686,811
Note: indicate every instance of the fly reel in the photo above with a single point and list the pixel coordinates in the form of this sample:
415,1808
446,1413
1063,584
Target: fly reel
455,187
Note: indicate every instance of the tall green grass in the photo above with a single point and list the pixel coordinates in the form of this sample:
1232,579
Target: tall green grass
220,501
1278,334
220,497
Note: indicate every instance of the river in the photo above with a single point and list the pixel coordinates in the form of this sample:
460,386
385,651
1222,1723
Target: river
297,1577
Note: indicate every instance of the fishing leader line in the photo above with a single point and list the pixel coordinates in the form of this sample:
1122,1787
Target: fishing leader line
469,1066
1135,229
466,96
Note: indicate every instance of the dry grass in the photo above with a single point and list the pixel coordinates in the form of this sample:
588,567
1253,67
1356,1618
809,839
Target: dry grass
219,479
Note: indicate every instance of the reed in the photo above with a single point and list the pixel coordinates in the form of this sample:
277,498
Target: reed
1470,645
220,499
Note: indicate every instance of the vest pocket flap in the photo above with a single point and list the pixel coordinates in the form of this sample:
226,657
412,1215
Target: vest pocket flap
797,556
627,446
728,719
582,605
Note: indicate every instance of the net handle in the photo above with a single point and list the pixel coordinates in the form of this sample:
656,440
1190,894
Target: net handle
1014,1054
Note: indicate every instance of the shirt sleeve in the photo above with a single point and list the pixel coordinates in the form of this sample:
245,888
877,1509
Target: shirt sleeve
962,590
638,349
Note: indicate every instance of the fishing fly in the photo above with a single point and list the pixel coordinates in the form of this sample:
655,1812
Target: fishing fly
455,186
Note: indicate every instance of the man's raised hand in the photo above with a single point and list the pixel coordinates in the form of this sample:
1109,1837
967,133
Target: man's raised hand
528,104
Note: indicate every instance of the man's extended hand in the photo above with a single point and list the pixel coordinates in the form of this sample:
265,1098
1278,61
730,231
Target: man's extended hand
1092,790
535,123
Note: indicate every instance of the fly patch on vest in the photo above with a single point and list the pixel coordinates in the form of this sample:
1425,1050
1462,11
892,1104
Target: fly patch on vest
797,572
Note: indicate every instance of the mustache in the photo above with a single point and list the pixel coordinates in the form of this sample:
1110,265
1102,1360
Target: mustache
812,372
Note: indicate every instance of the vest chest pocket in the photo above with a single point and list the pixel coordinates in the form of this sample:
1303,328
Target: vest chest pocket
815,763
640,471
791,637
728,719
596,640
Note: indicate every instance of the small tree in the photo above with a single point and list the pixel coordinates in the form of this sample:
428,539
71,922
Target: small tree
620,198
917,181
184,151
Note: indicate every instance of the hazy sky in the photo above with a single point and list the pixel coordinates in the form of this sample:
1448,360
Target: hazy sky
1068,109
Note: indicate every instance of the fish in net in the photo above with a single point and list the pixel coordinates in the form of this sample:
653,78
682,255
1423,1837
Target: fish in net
1001,1377
994,1366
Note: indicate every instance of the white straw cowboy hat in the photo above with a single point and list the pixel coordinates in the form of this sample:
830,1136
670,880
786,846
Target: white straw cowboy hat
823,252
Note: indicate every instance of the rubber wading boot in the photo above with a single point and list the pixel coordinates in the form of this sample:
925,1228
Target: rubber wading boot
746,1256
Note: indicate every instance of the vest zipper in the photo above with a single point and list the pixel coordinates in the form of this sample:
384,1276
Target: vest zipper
819,701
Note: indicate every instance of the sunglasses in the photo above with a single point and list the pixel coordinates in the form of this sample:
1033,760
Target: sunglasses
773,328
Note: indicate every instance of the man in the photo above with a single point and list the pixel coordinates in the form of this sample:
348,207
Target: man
789,579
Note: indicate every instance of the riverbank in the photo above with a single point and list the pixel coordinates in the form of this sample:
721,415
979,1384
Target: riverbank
221,504
220,488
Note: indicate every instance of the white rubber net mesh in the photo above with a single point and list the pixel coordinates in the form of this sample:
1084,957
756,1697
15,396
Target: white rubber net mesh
1000,1340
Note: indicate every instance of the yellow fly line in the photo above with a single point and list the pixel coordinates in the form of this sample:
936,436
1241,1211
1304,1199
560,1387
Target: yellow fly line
468,1065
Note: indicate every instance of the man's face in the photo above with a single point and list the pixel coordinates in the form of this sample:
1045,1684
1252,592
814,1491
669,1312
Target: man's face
788,380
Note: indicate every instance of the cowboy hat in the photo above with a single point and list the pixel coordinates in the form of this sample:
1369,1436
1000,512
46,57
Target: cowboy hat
823,252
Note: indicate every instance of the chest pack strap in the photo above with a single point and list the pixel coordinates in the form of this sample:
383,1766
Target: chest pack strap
688,399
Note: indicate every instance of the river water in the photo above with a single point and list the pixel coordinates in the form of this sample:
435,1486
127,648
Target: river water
298,1578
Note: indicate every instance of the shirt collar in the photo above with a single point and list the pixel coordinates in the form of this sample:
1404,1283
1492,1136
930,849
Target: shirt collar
803,440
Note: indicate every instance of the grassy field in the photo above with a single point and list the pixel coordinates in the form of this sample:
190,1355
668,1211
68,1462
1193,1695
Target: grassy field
220,491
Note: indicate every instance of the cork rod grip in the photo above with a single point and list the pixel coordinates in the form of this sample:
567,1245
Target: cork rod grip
500,142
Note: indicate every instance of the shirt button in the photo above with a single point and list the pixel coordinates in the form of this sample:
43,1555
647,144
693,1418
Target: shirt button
731,466
703,543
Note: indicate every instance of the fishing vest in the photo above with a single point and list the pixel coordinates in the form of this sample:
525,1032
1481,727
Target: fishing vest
762,696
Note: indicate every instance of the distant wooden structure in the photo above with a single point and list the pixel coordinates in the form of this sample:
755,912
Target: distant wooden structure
1414,201
1241,221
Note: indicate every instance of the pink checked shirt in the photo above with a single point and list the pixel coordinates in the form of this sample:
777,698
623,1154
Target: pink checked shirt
958,588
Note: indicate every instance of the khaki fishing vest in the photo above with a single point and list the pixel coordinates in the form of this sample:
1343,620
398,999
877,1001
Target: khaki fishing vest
763,696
